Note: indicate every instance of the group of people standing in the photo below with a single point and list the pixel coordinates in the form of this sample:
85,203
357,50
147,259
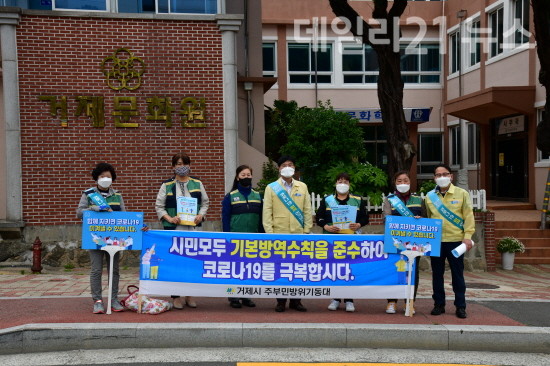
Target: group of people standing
286,209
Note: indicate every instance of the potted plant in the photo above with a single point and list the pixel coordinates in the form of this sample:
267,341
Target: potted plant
508,247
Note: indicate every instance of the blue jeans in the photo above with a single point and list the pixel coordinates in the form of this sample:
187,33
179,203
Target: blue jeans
457,273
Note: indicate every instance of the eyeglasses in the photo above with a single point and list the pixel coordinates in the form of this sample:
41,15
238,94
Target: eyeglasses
438,175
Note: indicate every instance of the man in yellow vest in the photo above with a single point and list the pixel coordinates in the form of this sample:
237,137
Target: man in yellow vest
287,210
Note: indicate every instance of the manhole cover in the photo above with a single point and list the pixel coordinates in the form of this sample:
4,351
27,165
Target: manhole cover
484,286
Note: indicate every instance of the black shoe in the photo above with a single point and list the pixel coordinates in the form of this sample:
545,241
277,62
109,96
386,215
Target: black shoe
297,305
438,309
461,313
235,304
281,305
249,303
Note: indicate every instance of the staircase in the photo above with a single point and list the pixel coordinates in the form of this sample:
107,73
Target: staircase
523,223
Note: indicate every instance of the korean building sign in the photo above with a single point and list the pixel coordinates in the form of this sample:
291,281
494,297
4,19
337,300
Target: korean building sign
124,71
511,125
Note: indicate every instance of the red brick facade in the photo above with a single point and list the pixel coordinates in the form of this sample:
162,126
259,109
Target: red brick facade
62,56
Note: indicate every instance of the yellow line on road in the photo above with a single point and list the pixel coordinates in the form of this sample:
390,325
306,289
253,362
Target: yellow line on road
348,364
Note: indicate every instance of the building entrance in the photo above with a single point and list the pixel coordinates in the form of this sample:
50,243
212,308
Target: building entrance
509,163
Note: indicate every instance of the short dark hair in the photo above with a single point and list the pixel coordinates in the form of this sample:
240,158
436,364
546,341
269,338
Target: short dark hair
103,167
183,156
343,175
284,158
443,166
401,172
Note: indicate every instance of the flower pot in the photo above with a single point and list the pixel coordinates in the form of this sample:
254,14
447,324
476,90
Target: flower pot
508,260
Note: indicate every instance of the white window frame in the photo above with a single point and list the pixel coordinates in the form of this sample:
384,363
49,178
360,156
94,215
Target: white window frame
454,156
542,161
108,7
420,163
420,72
494,39
455,48
275,72
474,40
473,143
520,23
360,49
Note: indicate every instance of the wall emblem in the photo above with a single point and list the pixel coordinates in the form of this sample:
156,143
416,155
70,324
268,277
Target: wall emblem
123,70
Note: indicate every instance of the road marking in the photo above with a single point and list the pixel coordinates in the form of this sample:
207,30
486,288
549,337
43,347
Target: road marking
349,364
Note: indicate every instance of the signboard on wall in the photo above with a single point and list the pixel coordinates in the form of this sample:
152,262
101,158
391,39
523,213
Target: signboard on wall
511,125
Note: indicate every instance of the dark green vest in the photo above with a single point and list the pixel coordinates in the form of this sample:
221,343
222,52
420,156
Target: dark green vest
245,212
171,204
414,203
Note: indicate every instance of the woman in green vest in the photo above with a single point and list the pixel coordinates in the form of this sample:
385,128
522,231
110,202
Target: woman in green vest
103,174
402,202
181,185
325,219
242,213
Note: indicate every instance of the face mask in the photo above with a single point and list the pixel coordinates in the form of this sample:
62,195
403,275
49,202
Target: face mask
182,171
245,182
342,188
403,188
287,172
443,181
104,182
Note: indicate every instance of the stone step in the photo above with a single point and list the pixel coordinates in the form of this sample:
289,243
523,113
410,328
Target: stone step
517,224
491,206
532,260
522,233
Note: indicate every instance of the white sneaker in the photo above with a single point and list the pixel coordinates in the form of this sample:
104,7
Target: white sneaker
350,307
334,305
390,308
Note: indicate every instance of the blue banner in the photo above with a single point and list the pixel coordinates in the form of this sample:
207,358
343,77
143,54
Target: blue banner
219,264
408,233
117,228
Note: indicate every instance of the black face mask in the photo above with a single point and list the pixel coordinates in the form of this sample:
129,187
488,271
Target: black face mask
245,182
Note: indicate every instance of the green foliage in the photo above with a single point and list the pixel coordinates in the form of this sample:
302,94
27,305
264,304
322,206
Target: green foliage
270,173
509,244
69,266
365,180
427,186
319,138
277,124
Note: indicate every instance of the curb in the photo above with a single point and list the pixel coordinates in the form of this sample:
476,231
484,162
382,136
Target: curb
31,338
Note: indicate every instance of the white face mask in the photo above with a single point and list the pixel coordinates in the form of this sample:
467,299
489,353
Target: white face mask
403,188
287,172
443,181
342,188
104,182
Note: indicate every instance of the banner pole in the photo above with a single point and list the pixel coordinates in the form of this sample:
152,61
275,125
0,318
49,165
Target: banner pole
112,250
411,255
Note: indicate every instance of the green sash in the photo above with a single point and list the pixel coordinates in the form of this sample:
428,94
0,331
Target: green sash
445,212
288,202
400,206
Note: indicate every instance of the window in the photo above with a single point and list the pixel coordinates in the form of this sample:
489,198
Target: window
88,5
473,143
306,65
269,60
541,156
420,64
430,152
497,32
454,48
376,145
521,21
454,135
187,6
475,44
359,64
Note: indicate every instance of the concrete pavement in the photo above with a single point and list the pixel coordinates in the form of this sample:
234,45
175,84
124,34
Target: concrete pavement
52,312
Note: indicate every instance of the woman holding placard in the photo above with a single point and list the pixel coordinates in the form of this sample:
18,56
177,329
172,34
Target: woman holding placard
403,203
102,197
342,213
181,204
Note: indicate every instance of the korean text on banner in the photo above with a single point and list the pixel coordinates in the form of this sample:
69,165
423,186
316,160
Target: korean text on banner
118,228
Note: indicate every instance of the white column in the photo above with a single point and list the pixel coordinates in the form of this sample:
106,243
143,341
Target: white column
229,28
12,126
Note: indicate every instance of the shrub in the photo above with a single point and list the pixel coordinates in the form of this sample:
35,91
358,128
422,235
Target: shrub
509,244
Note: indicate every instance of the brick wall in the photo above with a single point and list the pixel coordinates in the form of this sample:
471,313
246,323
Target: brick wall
62,56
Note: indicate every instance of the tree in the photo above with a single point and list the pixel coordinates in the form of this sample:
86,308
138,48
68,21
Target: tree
541,18
401,151
319,138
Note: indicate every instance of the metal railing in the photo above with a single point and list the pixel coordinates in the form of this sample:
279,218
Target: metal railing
478,198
